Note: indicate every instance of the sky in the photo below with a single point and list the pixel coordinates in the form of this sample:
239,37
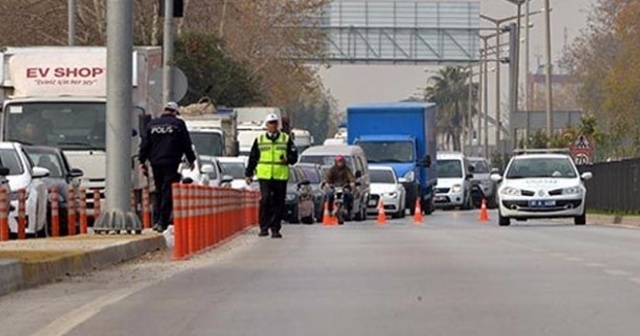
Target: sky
366,83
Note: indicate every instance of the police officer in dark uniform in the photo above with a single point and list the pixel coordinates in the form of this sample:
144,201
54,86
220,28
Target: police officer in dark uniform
270,157
164,142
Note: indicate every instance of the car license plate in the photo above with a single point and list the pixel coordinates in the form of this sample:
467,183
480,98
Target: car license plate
373,203
440,198
542,203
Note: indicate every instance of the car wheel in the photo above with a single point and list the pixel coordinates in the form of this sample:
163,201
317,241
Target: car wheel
580,220
503,221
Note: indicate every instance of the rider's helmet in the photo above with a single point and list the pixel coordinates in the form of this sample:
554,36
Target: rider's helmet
339,158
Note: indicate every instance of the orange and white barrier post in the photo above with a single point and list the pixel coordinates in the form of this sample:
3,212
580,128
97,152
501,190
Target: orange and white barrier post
96,204
22,214
4,214
83,211
191,220
146,209
71,211
55,212
179,221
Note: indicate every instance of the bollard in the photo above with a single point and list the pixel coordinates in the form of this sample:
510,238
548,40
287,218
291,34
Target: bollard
55,219
96,204
134,203
71,211
4,213
191,223
22,214
146,209
83,211
178,221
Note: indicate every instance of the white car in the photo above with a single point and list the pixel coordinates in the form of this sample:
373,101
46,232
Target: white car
454,181
234,167
210,166
24,175
541,184
385,185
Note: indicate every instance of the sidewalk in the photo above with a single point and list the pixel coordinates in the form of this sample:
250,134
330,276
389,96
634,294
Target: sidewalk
32,262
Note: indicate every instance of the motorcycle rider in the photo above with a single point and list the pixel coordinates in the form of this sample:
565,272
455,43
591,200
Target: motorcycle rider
340,175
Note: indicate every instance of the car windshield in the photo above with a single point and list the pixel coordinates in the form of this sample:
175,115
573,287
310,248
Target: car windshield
541,167
292,176
325,160
312,174
64,125
449,168
207,143
388,151
233,169
45,159
381,176
9,159
480,166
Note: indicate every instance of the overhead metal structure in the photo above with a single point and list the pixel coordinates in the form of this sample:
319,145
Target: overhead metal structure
409,32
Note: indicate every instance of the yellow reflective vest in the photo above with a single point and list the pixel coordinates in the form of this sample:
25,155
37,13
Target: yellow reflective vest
269,166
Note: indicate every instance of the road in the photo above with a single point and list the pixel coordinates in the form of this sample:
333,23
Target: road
451,276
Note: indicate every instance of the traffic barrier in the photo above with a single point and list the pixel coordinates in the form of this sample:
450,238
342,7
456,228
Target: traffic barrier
4,213
146,209
82,211
382,216
96,204
71,211
417,216
484,214
206,216
22,214
55,212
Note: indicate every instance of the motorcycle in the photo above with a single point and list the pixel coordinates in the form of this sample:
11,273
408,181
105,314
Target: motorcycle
340,211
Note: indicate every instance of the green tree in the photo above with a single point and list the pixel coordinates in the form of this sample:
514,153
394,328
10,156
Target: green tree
212,73
450,90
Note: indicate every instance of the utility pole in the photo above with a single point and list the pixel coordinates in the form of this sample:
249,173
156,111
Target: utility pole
486,100
118,214
513,74
71,21
167,47
547,17
469,123
527,47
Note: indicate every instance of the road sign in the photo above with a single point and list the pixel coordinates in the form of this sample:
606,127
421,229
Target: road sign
582,159
582,149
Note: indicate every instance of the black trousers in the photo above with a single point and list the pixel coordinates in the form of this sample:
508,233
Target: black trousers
272,204
163,177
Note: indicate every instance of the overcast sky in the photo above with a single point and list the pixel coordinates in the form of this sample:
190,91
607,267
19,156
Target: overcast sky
364,83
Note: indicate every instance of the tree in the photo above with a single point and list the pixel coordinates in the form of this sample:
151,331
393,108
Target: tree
450,90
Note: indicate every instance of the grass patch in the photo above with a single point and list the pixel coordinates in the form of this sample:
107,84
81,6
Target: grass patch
613,212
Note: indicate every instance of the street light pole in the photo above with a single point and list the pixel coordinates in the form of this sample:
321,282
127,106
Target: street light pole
167,47
526,72
486,101
469,123
547,17
71,21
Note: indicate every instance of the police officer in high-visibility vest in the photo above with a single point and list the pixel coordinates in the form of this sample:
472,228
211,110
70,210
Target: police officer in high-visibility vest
270,157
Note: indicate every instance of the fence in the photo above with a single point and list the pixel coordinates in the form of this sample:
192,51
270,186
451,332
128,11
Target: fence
205,216
614,186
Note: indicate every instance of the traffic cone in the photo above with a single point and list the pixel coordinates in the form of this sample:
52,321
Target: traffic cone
417,216
484,215
334,218
382,217
326,215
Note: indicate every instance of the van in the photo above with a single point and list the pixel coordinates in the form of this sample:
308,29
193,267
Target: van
455,174
356,160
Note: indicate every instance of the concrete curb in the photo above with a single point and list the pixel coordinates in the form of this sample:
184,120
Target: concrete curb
10,276
38,272
616,220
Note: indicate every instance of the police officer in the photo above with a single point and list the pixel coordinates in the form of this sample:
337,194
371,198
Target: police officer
164,142
270,157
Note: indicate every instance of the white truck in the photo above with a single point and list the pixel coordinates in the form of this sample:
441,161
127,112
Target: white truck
302,139
214,134
255,115
61,93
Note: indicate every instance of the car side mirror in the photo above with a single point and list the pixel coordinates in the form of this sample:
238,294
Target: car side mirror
472,169
469,176
208,169
586,176
358,174
39,172
225,178
495,171
75,173
4,171
495,177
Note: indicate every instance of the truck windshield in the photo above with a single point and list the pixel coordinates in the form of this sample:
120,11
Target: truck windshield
388,151
64,125
449,168
207,143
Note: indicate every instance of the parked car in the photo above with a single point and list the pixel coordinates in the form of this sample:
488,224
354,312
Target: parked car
61,176
482,185
314,174
292,203
385,186
541,184
356,160
24,175
234,167
454,181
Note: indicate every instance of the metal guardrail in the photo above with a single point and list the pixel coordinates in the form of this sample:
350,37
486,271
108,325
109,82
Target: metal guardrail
615,186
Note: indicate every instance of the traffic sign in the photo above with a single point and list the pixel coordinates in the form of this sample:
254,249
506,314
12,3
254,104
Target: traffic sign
582,159
582,149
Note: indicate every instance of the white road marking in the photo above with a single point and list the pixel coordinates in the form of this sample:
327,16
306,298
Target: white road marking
635,280
617,272
574,259
595,265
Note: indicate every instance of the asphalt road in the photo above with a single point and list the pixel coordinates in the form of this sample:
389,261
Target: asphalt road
450,276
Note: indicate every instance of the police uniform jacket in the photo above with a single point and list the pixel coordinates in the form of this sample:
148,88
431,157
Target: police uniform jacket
164,142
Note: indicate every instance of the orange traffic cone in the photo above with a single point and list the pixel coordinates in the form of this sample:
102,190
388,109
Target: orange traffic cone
382,217
326,215
484,215
334,218
417,216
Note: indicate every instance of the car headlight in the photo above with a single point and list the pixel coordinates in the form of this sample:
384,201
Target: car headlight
510,191
410,176
571,191
456,188
392,195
